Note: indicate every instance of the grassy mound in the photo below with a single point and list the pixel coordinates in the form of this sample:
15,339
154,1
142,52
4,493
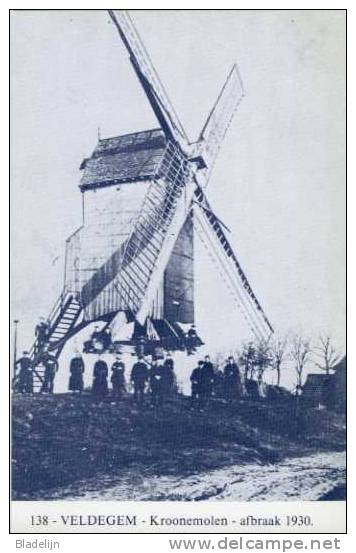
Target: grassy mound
60,439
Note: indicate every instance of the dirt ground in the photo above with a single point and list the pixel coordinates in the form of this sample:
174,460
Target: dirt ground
61,439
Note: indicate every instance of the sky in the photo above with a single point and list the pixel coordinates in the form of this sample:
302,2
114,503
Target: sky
279,182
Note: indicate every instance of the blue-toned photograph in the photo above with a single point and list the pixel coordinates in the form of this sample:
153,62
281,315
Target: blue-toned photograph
178,255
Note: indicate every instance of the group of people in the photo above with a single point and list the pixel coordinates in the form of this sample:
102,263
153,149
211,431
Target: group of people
206,381
101,341
25,367
100,386
156,377
24,381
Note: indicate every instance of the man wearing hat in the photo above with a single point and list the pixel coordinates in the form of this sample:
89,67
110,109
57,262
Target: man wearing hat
191,340
139,377
76,369
118,377
51,367
41,333
196,381
207,381
25,377
232,380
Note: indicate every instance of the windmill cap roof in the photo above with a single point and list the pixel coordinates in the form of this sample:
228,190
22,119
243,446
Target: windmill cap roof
126,158
131,142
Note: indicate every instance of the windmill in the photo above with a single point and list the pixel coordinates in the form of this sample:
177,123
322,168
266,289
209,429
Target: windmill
144,197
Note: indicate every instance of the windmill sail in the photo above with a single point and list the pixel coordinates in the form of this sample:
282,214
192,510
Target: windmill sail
219,120
129,279
148,77
210,229
138,193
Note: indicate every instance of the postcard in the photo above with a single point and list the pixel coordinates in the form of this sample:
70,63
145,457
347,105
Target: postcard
178,271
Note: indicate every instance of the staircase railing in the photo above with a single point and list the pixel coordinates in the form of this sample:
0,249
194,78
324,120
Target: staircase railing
66,308
136,260
72,281
53,319
52,314
33,354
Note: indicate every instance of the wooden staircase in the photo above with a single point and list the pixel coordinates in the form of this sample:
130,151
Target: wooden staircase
137,267
62,325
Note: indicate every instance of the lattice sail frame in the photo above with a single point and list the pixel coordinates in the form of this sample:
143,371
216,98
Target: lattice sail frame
136,268
143,66
134,271
219,120
140,261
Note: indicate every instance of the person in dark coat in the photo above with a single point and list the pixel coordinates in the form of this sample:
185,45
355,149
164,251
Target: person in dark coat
51,367
169,361
157,383
139,377
100,379
170,380
96,334
107,338
219,383
41,333
101,339
88,346
77,368
118,377
207,381
232,380
140,347
25,376
191,340
195,379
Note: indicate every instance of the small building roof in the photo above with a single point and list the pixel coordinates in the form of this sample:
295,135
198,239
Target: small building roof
131,157
316,379
316,386
341,365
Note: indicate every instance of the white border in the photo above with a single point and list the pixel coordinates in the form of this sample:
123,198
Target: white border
158,542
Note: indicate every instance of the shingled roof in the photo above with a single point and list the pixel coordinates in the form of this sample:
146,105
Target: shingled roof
132,157
318,388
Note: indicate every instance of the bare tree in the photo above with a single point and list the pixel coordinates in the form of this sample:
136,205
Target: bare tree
263,358
300,353
247,359
327,353
278,355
